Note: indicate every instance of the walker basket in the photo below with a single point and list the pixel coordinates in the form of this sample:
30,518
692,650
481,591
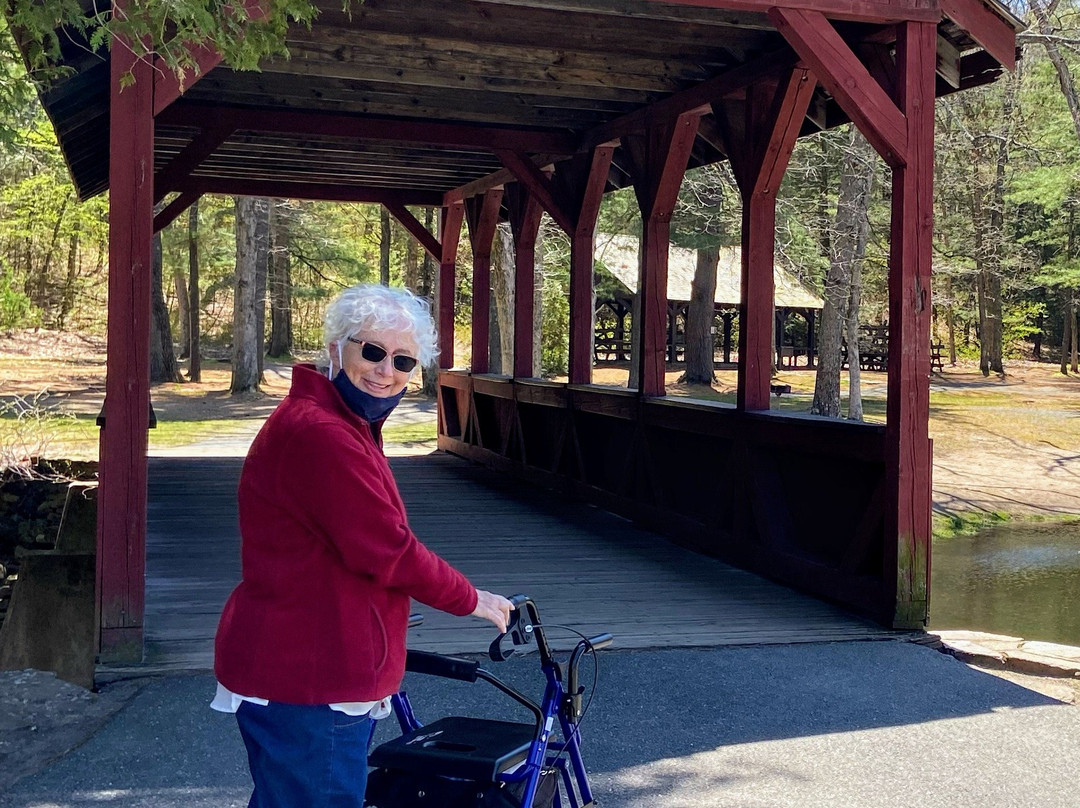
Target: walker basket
393,788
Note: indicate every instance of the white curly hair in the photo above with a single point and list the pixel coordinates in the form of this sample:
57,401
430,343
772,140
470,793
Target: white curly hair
374,308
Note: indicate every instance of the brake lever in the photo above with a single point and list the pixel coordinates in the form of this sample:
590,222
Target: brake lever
520,633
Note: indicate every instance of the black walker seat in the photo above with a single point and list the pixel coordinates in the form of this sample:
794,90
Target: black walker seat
468,748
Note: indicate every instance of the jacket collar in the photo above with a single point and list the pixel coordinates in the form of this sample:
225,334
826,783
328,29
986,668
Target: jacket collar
310,382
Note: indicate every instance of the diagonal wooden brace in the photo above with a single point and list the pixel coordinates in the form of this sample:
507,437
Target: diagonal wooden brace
539,185
847,79
416,228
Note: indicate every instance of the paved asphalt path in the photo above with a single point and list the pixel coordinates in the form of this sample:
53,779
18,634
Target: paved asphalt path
845,725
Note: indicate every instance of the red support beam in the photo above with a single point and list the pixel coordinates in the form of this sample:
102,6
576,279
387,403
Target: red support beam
201,146
121,556
168,87
171,211
760,158
361,127
483,217
658,175
589,192
908,461
847,80
416,228
525,214
449,234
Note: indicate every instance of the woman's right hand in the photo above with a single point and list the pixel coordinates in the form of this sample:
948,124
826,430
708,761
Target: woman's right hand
493,607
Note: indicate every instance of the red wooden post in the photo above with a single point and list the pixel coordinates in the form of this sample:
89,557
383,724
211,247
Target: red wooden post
483,217
773,119
449,234
907,433
525,214
587,200
121,556
658,175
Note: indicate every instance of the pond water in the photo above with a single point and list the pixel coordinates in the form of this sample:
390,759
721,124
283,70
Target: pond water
1020,580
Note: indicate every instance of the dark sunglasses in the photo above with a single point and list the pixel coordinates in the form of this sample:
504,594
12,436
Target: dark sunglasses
376,353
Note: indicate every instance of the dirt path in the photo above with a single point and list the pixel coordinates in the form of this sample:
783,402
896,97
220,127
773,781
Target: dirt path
1007,444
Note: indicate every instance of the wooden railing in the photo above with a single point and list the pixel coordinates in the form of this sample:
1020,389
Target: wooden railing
797,498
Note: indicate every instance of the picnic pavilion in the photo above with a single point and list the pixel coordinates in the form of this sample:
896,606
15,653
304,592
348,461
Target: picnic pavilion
618,255
503,109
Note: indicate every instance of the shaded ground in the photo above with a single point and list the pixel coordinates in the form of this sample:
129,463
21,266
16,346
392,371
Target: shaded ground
860,725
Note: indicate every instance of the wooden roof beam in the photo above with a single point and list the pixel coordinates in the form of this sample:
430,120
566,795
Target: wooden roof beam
314,191
367,128
862,10
857,10
986,27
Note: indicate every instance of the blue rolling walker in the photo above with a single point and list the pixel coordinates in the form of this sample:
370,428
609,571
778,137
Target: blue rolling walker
462,762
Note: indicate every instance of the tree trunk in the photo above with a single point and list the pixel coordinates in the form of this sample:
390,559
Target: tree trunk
412,265
280,280
384,246
67,297
1072,332
989,237
848,241
700,316
538,302
163,367
427,273
502,318
247,341
183,317
262,261
951,322
194,297
1067,325
851,324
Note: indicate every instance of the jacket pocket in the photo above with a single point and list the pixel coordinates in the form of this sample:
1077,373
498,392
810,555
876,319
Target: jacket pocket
379,647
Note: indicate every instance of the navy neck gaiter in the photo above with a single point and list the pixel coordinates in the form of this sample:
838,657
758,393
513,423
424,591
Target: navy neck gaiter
371,408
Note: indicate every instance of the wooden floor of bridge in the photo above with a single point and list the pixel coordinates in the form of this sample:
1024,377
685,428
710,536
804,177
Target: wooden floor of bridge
584,567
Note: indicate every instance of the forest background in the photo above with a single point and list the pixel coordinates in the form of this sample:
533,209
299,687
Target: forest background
246,277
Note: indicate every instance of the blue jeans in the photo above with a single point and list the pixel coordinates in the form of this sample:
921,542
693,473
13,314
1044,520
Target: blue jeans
305,756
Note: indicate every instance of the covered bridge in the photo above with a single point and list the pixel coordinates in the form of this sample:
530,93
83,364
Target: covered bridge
502,109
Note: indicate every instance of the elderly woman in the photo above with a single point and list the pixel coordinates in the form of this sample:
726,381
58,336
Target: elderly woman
311,644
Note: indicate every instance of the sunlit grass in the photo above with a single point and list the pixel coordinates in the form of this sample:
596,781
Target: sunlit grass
411,434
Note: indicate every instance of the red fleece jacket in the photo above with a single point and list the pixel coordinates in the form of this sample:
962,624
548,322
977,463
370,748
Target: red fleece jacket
329,561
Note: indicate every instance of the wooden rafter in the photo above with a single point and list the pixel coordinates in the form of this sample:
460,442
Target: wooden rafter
985,27
372,128
201,146
173,210
528,174
416,228
858,10
309,190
